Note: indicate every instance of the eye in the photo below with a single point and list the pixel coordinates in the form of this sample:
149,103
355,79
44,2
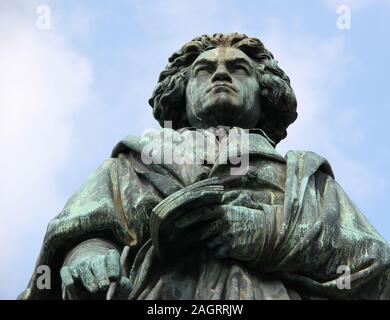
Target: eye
203,70
240,68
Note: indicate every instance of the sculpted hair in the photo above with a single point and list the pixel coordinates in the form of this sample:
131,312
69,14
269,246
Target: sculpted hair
277,97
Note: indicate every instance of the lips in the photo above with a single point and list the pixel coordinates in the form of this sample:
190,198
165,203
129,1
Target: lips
220,86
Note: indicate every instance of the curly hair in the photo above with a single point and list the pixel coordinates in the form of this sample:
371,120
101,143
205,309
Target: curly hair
277,97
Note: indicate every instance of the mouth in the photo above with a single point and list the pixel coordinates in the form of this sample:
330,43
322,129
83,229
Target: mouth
221,88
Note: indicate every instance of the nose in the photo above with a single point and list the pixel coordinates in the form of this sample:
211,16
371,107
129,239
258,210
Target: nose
221,74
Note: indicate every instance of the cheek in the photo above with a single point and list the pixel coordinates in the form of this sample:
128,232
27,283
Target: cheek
201,84
246,84
196,87
190,90
193,93
252,90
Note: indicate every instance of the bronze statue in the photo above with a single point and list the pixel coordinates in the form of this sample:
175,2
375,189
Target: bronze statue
277,228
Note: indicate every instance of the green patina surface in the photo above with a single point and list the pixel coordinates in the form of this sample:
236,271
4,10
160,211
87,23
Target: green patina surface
280,230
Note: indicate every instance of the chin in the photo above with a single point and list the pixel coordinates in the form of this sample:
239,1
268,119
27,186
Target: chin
221,114
221,105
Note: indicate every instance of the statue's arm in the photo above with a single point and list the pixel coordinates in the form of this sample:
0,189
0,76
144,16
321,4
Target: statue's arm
94,211
318,235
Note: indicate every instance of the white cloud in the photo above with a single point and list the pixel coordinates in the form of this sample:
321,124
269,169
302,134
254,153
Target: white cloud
43,84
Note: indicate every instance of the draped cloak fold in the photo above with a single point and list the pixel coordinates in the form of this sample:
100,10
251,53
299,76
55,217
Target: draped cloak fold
312,232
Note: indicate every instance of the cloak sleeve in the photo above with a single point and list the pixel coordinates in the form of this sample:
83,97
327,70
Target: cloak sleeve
95,210
319,235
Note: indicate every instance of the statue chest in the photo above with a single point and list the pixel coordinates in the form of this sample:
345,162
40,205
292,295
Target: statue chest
263,183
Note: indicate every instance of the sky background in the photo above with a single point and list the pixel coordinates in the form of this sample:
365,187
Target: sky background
70,93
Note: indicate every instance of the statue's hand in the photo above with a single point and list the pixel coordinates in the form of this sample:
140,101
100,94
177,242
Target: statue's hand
239,234
88,272
191,228
228,231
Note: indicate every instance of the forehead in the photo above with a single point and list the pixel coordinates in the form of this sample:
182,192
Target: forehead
221,54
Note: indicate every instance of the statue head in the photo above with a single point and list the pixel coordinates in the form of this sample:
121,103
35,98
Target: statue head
225,79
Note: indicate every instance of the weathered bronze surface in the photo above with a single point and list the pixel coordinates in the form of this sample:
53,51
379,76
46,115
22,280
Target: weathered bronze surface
281,229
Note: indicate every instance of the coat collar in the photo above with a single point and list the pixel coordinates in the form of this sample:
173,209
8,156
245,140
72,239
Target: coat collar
161,142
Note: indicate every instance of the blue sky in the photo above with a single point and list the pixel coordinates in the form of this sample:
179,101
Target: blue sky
68,94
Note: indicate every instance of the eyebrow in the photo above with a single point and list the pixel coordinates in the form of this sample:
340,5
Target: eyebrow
239,60
204,61
213,62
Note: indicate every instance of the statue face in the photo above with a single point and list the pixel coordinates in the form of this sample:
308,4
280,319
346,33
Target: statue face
223,90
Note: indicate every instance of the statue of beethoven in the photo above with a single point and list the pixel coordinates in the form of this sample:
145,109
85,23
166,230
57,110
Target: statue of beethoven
281,228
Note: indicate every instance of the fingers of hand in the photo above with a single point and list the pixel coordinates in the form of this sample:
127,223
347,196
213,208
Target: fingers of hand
240,236
99,270
93,274
199,215
113,265
202,232
67,281
87,277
